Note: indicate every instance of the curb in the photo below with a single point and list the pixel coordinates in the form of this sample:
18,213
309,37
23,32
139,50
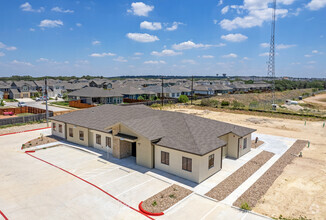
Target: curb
3,215
24,131
95,186
148,213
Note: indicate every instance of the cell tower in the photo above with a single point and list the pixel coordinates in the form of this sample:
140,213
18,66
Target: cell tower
271,60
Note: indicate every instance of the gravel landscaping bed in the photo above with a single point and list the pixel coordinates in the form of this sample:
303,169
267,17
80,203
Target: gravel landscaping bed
22,128
40,141
227,186
260,187
165,199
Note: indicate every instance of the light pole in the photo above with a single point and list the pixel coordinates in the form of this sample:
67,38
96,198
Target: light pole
46,102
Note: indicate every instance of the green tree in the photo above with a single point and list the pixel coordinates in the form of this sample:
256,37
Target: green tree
225,103
141,98
2,103
183,99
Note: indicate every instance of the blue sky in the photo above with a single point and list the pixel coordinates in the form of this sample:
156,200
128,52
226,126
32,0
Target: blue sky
169,37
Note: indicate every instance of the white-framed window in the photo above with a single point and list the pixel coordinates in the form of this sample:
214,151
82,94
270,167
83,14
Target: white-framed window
98,139
211,161
245,143
81,135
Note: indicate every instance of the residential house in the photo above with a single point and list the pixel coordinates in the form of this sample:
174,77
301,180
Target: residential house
55,87
204,90
22,89
129,92
169,91
93,95
101,83
185,145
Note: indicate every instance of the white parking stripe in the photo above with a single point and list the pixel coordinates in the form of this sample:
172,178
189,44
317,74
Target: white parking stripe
107,183
134,187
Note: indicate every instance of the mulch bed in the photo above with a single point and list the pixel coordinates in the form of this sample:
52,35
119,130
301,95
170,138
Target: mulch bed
255,145
165,199
227,186
40,141
260,187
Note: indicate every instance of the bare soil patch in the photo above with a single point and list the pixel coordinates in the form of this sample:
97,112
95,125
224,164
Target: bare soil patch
260,187
165,199
227,186
40,141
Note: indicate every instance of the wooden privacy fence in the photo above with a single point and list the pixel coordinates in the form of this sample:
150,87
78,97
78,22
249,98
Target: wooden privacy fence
21,110
24,119
78,104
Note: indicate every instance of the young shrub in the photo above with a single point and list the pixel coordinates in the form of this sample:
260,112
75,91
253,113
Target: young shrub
183,99
154,203
225,103
141,98
172,196
237,104
245,206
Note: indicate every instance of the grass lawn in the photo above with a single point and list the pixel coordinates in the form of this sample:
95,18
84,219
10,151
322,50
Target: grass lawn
63,103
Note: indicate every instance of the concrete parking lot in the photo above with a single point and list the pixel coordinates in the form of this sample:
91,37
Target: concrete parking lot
34,189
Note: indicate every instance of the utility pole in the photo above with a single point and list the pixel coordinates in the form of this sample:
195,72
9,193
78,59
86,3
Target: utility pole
162,92
271,60
46,102
192,88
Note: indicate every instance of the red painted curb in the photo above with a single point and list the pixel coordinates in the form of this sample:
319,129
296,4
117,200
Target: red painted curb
148,213
24,131
30,151
3,215
91,185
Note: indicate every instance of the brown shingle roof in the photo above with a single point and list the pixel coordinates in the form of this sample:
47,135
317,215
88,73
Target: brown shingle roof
175,130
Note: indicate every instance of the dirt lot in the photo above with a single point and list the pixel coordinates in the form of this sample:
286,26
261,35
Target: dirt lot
22,128
300,190
318,99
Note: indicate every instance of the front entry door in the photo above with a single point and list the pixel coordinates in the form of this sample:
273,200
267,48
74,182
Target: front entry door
133,149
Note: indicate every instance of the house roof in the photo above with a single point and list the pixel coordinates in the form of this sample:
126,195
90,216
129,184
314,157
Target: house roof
129,90
94,92
175,130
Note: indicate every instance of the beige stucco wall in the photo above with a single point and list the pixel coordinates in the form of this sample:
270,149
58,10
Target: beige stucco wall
56,132
200,169
102,146
232,145
144,148
244,151
75,138
204,171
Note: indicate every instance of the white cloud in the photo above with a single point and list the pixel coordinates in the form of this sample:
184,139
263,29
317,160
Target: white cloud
155,62
284,46
81,62
316,4
215,21
225,10
16,62
42,60
50,23
312,62
266,54
207,56
31,29
28,7
79,24
2,54
140,9
231,55
120,59
174,26
166,52
315,51
151,25
144,38
102,54
308,55
257,12
246,58
11,48
189,61
57,9
96,42
138,54
278,46
190,45
234,37
220,3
